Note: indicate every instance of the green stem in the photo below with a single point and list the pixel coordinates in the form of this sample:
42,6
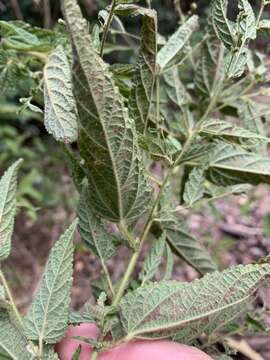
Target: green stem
94,355
10,297
151,217
108,277
107,27
260,12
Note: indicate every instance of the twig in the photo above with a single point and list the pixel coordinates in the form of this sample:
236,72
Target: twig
10,297
243,347
107,26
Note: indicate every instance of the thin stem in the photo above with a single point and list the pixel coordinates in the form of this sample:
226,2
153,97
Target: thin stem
177,5
127,234
260,12
107,26
108,277
10,297
148,224
152,214
94,355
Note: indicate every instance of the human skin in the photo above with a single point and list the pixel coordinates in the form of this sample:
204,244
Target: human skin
134,350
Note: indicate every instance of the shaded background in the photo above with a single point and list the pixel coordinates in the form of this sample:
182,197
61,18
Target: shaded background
235,230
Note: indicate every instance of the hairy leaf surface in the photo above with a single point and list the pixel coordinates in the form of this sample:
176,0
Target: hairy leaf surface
8,187
107,141
210,69
224,129
153,259
162,309
170,51
12,341
93,230
60,109
47,317
145,69
222,26
193,191
231,164
187,247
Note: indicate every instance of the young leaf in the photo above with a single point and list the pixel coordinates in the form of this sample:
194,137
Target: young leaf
8,187
16,37
231,164
170,52
107,142
92,229
210,70
224,129
223,27
49,353
160,310
12,341
247,21
145,69
153,259
47,317
249,113
235,62
60,114
160,149
174,88
187,247
193,191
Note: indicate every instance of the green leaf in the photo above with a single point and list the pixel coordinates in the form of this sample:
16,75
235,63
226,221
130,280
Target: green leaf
169,53
216,328
21,36
193,191
153,259
16,37
160,310
145,69
93,230
231,164
76,355
160,148
250,115
264,26
60,109
47,317
12,340
224,29
224,129
210,70
246,20
49,353
85,315
107,142
174,88
187,247
235,62
8,188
